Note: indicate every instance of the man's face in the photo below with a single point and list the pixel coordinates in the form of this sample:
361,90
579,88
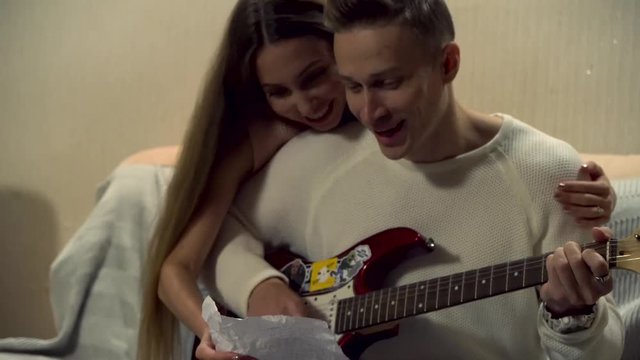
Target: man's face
392,86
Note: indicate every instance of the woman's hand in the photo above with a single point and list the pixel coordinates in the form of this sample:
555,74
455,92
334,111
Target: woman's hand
590,199
207,351
270,297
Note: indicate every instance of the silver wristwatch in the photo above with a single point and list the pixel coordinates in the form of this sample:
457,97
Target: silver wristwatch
571,323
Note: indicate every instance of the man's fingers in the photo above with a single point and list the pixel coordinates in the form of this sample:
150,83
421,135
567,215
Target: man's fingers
598,267
565,275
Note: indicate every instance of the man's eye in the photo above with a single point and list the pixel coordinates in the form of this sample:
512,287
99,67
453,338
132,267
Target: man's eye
354,88
390,84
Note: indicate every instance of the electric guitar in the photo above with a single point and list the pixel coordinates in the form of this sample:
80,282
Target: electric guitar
346,292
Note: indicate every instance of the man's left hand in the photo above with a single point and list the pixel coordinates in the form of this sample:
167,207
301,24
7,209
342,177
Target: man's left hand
577,278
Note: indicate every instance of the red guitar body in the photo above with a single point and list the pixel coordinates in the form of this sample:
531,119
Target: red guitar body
356,271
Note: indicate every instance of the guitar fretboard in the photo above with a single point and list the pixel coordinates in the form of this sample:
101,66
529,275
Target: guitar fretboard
391,304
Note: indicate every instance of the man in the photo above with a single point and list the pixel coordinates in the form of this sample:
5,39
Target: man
479,184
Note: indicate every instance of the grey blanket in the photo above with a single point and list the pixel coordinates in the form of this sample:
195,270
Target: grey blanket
95,281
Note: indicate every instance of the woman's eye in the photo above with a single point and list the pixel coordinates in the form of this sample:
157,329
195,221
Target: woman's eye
276,93
312,77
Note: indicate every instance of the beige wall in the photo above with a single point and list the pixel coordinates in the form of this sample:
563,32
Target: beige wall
85,83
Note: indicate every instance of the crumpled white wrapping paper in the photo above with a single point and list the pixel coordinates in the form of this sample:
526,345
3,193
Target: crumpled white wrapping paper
272,337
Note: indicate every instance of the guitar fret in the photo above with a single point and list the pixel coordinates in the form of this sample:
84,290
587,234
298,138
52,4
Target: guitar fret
395,303
475,291
444,285
468,286
506,281
406,295
449,292
491,282
363,310
379,306
340,317
484,282
415,298
516,271
432,301
373,306
437,292
357,310
524,272
456,284
350,312
426,296
500,278
386,317
531,276
462,289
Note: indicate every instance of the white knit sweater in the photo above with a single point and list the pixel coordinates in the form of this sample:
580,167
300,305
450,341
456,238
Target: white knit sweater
323,193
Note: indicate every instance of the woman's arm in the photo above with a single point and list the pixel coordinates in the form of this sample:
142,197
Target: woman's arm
179,273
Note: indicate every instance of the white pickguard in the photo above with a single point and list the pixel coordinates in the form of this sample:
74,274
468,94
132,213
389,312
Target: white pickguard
324,306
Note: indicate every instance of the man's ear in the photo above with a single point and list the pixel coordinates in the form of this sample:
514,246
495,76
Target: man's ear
450,61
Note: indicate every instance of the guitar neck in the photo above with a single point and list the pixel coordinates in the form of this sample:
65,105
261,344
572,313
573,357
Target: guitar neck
391,304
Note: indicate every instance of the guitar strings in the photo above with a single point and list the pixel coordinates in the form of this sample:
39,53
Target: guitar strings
411,291
498,271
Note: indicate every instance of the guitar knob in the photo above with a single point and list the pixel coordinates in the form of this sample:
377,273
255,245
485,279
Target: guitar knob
431,245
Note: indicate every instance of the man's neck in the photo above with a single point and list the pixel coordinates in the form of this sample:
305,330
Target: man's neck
458,131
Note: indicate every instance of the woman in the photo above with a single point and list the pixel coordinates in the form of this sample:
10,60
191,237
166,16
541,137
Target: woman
275,62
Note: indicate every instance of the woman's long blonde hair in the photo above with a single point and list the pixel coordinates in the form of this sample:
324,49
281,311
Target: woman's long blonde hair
217,121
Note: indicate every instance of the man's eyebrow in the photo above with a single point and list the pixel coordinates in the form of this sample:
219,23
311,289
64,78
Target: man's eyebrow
385,72
376,75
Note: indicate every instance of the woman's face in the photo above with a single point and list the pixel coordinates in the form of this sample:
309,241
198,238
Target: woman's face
299,81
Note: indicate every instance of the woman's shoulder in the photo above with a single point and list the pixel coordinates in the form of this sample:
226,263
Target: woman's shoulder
163,155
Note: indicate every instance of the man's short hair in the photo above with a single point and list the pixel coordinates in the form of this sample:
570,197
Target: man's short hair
430,19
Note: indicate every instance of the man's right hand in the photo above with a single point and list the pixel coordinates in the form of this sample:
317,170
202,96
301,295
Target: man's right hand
274,297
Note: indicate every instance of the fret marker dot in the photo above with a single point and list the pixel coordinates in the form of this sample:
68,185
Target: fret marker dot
420,305
484,281
421,287
456,288
393,303
515,273
375,306
348,313
361,310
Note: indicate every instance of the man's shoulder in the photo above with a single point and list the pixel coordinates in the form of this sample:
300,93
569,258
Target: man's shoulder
532,144
536,154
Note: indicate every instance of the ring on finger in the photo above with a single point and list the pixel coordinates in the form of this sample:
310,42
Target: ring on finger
599,210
